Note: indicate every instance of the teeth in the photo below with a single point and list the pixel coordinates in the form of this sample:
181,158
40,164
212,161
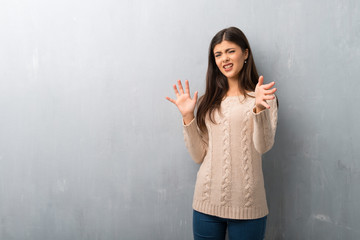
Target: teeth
228,66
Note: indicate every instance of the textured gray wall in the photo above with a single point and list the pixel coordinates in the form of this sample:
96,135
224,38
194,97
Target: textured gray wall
90,148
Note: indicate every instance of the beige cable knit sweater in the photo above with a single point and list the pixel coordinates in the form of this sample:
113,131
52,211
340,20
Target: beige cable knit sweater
230,180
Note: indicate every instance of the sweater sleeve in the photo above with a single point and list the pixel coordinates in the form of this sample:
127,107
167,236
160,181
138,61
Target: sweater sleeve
195,143
265,127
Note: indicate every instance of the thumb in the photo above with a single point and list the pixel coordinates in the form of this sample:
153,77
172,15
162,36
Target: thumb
261,80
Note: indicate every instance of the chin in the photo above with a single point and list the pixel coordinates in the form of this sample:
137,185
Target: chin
232,74
229,75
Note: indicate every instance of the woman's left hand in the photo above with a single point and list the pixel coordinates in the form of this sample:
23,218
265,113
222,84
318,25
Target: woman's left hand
263,92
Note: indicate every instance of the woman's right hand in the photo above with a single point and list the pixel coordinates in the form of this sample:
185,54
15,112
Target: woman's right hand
184,102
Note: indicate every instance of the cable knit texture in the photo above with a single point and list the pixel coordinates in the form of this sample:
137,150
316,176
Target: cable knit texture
230,180
226,183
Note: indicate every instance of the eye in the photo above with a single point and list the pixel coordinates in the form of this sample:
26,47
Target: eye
217,55
232,51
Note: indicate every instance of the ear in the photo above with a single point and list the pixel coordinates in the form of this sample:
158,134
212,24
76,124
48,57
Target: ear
246,54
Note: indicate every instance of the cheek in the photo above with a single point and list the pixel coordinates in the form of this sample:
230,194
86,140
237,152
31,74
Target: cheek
238,59
241,65
218,64
240,62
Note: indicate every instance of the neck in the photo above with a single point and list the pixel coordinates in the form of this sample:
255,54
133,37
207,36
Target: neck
233,87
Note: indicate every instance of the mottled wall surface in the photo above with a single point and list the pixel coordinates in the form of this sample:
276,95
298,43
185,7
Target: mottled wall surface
90,148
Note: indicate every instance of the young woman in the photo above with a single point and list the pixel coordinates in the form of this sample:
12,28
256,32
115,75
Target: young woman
234,125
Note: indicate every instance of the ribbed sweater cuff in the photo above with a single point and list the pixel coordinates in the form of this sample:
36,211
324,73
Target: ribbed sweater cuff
262,116
190,123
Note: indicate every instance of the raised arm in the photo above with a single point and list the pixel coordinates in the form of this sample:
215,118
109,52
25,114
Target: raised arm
194,141
265,116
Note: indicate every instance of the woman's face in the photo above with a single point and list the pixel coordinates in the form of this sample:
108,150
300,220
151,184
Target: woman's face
230,59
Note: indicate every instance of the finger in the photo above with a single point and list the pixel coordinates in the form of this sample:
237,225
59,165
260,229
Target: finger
196,96
180,87
175,90
269,85
265,104
271,91
261,80
187,87
171,100
269,97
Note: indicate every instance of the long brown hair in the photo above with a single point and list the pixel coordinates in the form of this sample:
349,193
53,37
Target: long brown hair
217,84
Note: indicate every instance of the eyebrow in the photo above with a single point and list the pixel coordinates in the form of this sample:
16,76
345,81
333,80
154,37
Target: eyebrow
225,50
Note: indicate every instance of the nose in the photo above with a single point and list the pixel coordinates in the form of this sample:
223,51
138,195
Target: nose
225,58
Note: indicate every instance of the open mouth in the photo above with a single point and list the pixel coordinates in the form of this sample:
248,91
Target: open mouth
228,67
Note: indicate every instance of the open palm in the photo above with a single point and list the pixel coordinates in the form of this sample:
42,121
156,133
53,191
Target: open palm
184,102
263,92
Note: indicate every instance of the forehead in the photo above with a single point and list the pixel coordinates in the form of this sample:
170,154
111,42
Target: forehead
221,47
